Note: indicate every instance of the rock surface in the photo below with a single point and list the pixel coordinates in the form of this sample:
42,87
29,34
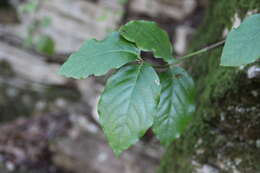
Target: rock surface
90,151
174,9
30,66
30,87
73,22
58,142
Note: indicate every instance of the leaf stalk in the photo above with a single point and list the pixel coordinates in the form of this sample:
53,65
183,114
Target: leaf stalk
205,49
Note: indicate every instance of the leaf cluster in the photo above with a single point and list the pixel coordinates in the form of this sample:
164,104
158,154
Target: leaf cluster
137,96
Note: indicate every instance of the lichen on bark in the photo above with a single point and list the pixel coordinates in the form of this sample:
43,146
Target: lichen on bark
224,135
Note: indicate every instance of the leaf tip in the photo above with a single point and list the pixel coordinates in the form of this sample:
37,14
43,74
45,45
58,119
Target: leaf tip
117,153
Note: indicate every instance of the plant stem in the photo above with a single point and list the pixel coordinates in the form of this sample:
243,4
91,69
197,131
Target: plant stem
179,60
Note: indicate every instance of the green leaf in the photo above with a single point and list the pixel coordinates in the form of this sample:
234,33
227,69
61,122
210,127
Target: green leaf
28,41
29,7
46,45
45,21
122,2
128,105
98,57
243,44
177,104
148,36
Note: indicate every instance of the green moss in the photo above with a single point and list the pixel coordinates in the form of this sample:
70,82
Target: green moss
213,83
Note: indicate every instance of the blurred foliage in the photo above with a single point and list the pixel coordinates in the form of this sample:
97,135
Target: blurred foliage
123,2
29,7
43,43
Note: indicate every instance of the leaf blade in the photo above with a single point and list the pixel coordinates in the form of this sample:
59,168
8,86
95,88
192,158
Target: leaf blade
177,104
98,57
243,43
148,36
127,106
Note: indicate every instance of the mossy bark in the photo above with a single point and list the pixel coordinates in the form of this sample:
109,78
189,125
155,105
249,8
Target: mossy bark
224,136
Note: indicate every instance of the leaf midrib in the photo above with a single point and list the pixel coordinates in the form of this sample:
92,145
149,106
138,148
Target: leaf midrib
130,99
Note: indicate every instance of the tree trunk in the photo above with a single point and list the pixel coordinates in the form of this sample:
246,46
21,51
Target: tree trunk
224,136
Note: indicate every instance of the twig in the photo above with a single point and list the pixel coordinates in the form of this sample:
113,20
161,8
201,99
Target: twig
179,60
